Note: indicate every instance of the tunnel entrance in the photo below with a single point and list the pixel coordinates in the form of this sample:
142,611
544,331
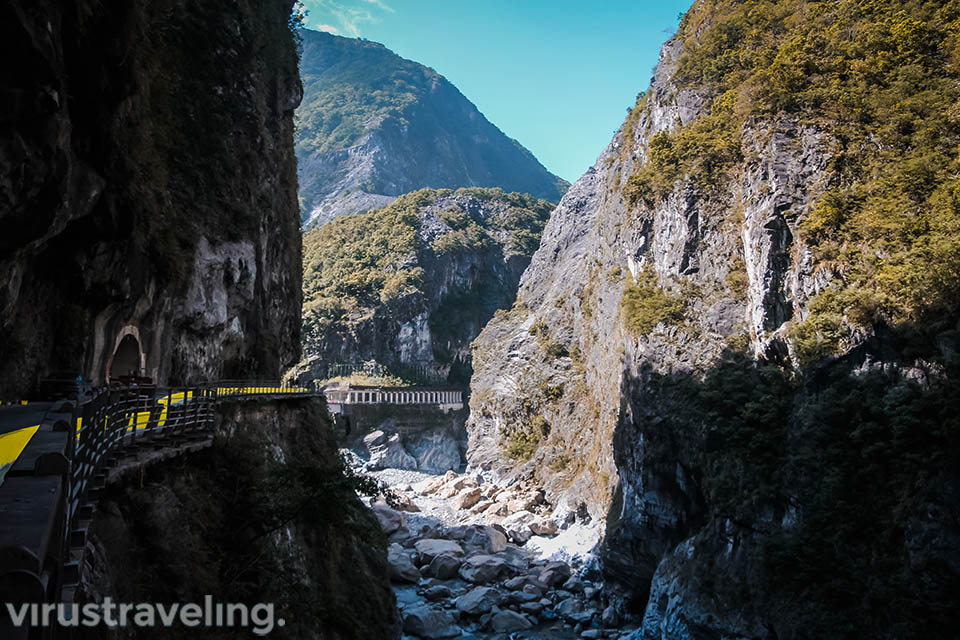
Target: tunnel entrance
125,360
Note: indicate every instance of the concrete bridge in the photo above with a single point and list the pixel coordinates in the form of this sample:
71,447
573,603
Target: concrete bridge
57,457
340,398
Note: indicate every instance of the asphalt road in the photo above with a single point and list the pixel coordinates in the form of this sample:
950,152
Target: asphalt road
20,417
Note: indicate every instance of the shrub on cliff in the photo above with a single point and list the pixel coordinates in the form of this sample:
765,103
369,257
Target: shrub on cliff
374,259
645,304
882,78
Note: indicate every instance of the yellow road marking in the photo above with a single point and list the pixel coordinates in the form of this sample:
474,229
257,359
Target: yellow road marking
12,445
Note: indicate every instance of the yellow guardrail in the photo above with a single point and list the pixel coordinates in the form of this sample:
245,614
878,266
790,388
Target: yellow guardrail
231,391
140,420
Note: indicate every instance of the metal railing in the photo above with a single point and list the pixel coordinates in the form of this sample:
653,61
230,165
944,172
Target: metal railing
118,421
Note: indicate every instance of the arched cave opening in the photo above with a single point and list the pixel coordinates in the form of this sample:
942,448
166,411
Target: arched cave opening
126,359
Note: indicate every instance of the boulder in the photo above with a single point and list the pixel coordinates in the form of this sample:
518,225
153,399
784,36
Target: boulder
404,503
401,567
516,559
523,503
481,506
584,617
517,526
437,592
390,454
435,450
573,585
481,569
430,548
443,567
519,597
555,573
531,607
610,617
543,527
455,486
429,486
429,623
485,537
477,601
515,584
569,607
507,621
465,499
390,520
495,513
374,439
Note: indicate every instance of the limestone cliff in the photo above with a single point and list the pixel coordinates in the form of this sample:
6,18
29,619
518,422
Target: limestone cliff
373,126
148,190
263,516
411,285
717,349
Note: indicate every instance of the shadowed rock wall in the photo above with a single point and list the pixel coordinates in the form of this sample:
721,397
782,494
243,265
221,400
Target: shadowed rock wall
148,186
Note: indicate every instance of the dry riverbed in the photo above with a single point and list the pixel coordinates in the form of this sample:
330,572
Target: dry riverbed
470,559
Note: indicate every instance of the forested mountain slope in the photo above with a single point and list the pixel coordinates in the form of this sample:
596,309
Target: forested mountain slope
373,126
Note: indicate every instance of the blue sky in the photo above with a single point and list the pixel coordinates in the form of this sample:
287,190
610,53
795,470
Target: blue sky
557,75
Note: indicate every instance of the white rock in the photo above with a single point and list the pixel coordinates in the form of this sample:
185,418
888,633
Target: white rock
517,526
465,499
543,527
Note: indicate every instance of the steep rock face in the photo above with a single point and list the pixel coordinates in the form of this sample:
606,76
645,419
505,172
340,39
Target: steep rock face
148,190
656,369
373,126
411,285
263,516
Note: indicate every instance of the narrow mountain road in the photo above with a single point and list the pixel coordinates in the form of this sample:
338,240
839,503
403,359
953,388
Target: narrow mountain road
18,424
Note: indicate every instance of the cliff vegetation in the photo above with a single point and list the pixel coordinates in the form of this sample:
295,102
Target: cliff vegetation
410,285
750,304
882,78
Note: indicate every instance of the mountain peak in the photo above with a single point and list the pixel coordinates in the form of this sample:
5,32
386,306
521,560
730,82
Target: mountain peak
374,125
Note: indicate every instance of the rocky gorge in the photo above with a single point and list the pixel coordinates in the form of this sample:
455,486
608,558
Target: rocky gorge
715,350
712,393
472,560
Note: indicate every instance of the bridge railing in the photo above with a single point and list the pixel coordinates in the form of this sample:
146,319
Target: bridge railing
121,420
84,448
